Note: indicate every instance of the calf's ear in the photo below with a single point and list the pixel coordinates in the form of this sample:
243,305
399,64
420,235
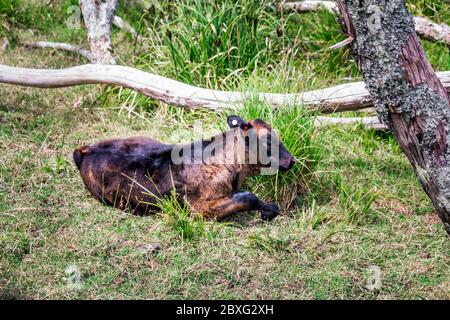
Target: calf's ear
235,121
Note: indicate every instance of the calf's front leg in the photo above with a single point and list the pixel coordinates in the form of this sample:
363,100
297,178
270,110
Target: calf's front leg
240,202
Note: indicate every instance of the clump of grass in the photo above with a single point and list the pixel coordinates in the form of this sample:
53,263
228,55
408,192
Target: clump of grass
295,127
179,218
213,40
212,43
225,44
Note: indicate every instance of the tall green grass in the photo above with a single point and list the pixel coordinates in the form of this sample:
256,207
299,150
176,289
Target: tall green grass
215,41
295,127
227,44
178,217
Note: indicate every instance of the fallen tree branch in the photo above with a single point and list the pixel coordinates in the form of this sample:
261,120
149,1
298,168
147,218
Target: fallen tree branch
367,122
307,6
122,24
424,27
61,46
342,44
344,97
432,31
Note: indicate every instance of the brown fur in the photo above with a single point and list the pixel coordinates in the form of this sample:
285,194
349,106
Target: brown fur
133,173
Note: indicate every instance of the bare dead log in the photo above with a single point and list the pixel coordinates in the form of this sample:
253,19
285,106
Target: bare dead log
344,97
432,31
62,46
367,122
409,97
98,17
424,27
308,5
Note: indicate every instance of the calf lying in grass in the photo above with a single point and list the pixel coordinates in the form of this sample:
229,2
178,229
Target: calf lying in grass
132,174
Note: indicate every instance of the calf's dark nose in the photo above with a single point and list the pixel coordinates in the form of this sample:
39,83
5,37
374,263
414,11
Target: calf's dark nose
287,164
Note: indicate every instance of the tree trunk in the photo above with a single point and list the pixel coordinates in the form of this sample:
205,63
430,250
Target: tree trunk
98,17
408,95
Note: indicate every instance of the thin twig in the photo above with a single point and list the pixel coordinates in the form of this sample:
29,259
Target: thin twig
61,46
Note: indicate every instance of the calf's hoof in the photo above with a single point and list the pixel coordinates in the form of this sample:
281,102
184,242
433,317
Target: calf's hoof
270,212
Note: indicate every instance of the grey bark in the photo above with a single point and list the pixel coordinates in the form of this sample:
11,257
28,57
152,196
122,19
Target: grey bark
408,95
98,17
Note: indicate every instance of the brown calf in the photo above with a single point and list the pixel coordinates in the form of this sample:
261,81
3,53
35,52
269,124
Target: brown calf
131,174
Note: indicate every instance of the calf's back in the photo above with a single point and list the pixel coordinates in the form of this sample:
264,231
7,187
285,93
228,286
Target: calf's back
126,173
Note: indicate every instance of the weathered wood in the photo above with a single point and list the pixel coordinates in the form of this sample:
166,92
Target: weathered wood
344,97
427,29
98,17
122,24
408,95
366,122
424,27
62,46
308,5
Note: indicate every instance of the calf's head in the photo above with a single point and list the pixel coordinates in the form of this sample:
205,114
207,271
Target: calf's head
263,148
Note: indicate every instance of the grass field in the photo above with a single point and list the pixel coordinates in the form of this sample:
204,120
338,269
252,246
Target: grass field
353,209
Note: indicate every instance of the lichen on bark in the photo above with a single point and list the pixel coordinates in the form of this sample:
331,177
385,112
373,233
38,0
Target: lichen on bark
378,39
408,96
98,17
